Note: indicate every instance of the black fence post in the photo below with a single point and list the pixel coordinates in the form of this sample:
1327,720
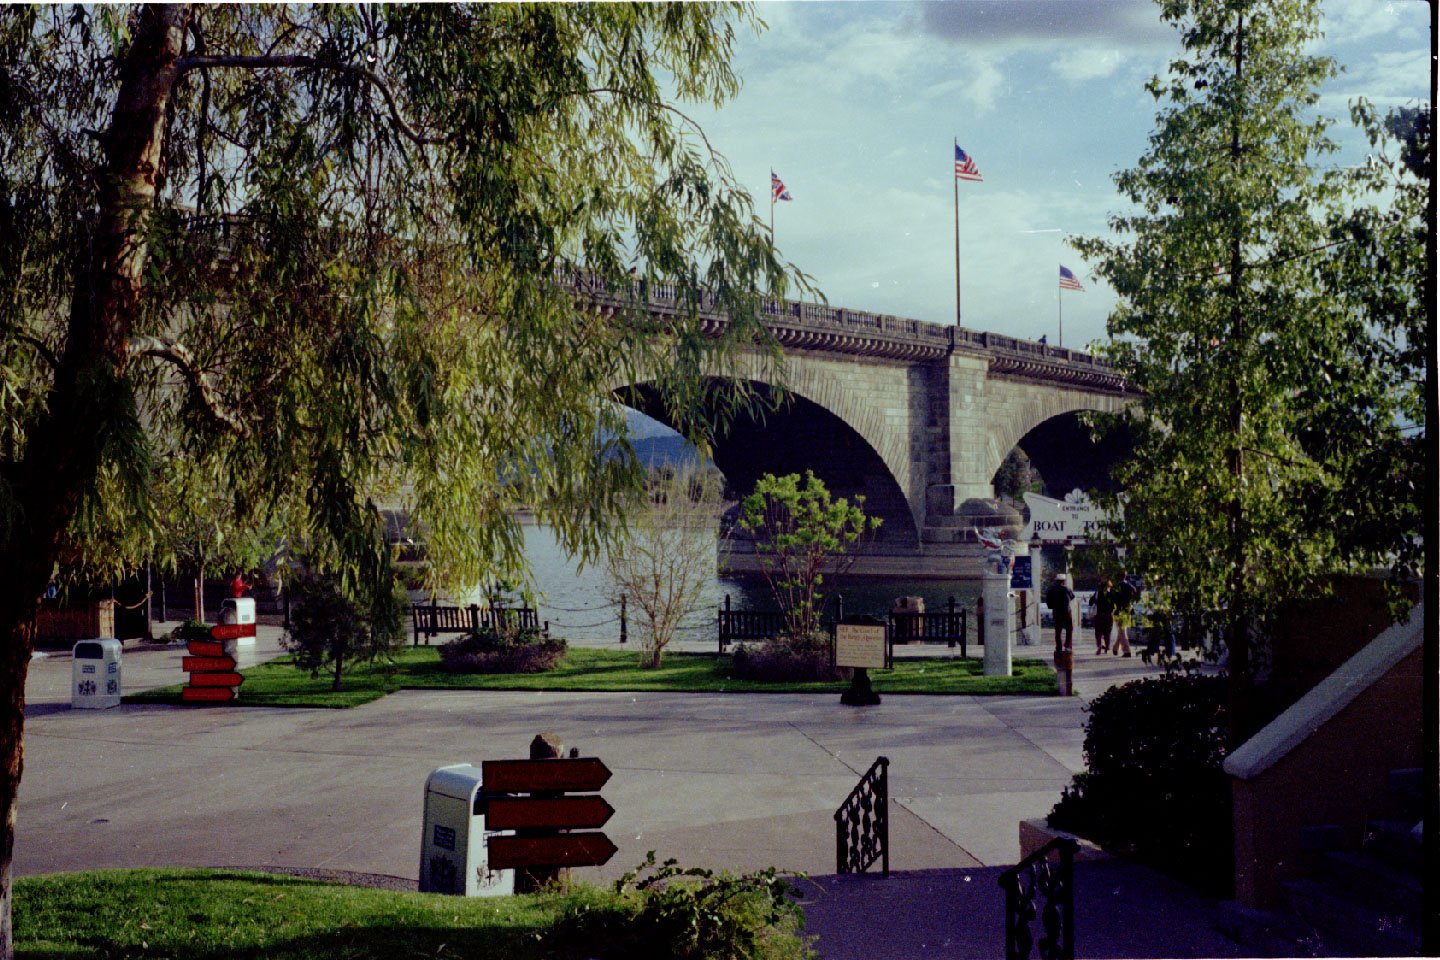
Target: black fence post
624,625
950,627
980,620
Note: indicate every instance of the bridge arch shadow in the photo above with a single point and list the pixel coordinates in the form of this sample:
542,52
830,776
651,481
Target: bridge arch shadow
1067,457
798,435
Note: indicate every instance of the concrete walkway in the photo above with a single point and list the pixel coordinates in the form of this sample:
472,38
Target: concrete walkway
725,781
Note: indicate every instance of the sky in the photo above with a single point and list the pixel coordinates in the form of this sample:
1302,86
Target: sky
855,106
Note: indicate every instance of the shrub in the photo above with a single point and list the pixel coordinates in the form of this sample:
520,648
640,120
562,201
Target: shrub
679,914
488,650
329,628
191,629
789,659
1152,784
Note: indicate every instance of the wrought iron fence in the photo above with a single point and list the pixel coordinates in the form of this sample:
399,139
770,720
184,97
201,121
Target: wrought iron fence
862,824
1033,878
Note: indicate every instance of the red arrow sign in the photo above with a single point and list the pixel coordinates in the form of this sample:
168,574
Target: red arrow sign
524,776
232,631
206,664
565,850
508,813
206,648
206,694
216,679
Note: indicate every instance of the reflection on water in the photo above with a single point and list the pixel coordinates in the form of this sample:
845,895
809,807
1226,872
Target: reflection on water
579,603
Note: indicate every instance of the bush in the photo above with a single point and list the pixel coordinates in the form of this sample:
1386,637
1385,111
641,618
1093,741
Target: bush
790,659
329,628
191,629
488,650
676,914
1153,786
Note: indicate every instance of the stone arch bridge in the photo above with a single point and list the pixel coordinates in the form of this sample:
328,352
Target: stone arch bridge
916,416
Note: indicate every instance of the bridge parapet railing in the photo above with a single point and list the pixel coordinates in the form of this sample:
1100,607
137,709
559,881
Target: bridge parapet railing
822,317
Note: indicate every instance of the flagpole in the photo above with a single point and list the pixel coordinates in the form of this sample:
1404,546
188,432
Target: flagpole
955,181
772,206
1059,310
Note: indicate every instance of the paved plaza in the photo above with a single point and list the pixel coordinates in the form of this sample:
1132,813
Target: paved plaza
717,780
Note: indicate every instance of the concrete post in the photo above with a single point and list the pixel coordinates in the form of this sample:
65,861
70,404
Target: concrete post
999,613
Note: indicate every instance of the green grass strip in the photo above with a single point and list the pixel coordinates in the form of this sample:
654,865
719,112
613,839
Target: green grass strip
279,683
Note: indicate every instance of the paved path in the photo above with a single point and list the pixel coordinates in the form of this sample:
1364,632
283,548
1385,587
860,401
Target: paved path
731,781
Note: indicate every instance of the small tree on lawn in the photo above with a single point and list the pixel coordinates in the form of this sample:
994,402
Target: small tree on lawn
329,629
668,554
802,535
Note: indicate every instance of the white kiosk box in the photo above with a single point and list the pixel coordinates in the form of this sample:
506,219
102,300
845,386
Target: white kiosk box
454,856
239,610
95,674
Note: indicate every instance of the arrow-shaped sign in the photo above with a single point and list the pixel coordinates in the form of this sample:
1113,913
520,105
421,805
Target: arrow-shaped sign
565,850
216,679
519,813
206,694
232,631
527,776
206,664
206,648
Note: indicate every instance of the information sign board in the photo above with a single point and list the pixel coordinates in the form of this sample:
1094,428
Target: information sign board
860,645
1021,574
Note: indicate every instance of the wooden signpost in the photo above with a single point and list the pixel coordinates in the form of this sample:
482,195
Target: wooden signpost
528,796
211,665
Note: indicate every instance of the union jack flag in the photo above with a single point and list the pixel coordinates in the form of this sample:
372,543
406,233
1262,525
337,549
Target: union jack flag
777,189
965,168
1068,281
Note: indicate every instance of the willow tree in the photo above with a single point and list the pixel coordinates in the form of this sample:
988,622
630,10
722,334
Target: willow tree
1271,315
319,254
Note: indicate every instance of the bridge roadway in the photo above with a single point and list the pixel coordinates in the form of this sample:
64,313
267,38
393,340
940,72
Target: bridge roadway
915,416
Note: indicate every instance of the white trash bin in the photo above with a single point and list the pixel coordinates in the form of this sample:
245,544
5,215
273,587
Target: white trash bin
95,674
453,854
239,610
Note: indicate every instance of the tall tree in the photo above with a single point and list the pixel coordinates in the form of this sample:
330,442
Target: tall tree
316,252
1278,430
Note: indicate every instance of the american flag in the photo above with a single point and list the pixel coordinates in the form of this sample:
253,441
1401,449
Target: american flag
965,168
1068,281
777,188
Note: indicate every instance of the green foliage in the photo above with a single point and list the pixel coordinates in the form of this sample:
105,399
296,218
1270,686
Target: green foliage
801,536
672,913
488,650
1153,784
329,628
1270,316
178,913
1016,476
788,659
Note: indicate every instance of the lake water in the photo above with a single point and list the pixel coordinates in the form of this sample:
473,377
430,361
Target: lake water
579,605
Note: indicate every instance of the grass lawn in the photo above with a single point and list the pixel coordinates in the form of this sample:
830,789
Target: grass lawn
278,683
236,915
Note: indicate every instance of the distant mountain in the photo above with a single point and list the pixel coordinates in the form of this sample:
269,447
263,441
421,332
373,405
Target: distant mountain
659,451
643,427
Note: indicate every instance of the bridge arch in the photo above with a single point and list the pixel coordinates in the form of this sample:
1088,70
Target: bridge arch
1048,427
820,427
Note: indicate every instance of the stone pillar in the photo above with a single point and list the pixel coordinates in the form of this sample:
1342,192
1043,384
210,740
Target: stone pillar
999,615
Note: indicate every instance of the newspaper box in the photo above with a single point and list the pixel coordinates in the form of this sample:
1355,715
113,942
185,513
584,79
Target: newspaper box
453,842
95,674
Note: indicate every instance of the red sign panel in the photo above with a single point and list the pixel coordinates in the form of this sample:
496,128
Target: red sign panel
232,631
206,664
564,850
216,679
518,813
206,694
526,776
206,648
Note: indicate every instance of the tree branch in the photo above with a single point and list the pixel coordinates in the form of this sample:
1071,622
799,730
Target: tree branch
179,356
299,62
40,348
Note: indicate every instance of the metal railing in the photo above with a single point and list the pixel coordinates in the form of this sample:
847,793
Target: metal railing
1025,884
947,627
862,824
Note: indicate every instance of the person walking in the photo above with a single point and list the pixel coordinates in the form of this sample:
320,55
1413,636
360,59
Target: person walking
1058,598
1104,615
1125,595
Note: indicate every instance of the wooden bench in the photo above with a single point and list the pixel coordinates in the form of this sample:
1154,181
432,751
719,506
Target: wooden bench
432,620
